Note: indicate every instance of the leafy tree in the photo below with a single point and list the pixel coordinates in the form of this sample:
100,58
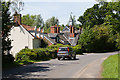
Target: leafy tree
38,21
28,19
94,16
33,20
98,39
7,23
50,22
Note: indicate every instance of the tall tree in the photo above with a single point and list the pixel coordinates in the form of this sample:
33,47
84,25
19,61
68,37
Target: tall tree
33,20
38,21
50,22
7,23
95,15
28,19
6,26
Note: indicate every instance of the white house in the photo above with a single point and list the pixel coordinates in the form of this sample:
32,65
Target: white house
21,37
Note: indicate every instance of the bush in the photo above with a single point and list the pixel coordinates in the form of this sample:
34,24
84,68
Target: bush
25,55
78,49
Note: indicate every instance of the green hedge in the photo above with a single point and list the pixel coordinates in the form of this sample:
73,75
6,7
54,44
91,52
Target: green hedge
77,48
25,55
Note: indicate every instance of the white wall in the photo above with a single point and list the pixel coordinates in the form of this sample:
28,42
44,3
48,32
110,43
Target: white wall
20,38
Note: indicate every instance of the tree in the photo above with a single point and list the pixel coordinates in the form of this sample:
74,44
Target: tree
94,16
33,20
50,22
7,23
72,20
28,19
38,21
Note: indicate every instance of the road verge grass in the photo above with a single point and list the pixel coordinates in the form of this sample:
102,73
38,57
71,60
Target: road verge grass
110,67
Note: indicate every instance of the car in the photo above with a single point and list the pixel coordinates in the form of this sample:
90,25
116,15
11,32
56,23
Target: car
65,52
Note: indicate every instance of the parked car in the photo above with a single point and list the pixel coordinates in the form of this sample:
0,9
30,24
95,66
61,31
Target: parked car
65,52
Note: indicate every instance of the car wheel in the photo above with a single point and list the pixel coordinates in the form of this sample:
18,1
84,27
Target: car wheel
70,58
58,58
74,57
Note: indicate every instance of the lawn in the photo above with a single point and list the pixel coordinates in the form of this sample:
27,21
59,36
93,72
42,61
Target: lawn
110,67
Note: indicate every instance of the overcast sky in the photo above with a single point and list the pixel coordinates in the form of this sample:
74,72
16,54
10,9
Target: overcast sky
58,8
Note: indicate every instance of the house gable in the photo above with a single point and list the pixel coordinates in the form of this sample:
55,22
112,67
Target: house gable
66,29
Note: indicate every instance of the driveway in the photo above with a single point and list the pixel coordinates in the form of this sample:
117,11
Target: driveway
85,66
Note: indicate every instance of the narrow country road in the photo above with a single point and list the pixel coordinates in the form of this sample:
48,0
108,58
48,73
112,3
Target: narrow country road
85,66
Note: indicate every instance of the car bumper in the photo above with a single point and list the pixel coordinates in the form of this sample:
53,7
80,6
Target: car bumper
63,55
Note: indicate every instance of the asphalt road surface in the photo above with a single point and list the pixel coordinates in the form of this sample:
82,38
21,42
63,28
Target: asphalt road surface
85,66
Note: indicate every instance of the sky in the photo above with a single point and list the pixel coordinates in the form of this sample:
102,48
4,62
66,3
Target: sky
58,8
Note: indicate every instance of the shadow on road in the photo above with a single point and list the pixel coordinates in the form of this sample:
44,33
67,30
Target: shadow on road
26,71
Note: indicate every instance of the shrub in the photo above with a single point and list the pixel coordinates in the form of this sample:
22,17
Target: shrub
25,55
77,49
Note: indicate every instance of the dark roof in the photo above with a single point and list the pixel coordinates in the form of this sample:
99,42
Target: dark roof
52,34
51,40
75,40
66,35
66,29
62,37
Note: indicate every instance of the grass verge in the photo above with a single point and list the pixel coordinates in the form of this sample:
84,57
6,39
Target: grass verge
110,67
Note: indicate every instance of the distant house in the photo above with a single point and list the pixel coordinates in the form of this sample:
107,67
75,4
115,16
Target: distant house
25,36
67,37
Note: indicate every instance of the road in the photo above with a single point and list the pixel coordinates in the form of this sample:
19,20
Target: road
85,66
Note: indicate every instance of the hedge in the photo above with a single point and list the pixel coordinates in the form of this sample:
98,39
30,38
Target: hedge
25,55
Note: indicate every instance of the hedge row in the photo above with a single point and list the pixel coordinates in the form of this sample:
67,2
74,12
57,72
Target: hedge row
43,53
35,54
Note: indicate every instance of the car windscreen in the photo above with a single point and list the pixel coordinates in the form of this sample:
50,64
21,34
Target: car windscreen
63,49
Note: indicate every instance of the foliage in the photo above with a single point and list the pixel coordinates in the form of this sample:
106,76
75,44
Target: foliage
38,21
110,67
101,28
78,49
7,23
50,22
94,16
33,20
98,39
25,55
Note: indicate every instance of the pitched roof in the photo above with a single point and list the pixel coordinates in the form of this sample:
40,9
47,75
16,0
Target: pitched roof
62,37
48,38
66,35
66,29
29,28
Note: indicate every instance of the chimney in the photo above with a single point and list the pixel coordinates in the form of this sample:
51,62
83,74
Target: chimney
35,31
17,18
58,29
72,31
53,29
39,32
